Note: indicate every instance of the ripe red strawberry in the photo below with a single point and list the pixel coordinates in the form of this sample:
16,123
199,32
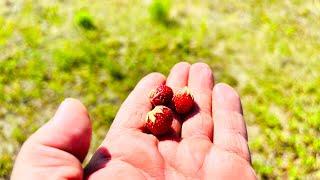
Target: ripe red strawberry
159,120
161,96
183,101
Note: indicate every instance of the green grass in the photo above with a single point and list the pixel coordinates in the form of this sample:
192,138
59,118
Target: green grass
96,51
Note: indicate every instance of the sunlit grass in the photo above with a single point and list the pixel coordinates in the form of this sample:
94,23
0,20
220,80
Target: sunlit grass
96,51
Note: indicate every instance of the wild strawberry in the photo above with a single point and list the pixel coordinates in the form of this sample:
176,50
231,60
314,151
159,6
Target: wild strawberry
161,96
183,101
159,120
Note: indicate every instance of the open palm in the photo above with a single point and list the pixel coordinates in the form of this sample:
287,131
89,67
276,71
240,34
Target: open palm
211,143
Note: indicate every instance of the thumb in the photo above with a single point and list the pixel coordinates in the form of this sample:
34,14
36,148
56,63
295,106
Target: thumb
69,130
63,141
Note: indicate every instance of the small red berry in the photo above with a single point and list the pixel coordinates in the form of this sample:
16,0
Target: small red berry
161,96
159,120
183,101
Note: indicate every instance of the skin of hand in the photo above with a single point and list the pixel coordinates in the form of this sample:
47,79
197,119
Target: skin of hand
210,143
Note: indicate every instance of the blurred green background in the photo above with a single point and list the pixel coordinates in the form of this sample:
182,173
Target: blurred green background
96,51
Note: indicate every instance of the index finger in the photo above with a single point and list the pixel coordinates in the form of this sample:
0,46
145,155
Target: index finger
134,109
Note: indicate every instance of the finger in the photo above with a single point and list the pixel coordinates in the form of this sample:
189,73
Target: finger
200,84
133,111
230,132
69,129
178,77
64,140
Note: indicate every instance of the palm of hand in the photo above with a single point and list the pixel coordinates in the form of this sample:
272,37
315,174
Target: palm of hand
194,149
195,157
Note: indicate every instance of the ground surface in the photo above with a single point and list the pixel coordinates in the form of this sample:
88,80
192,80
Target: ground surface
97,50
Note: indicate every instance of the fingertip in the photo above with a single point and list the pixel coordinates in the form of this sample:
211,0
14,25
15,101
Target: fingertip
178,77
71,109
151,80
156,76
201,65
223,88
180,67
226,98
74,103
148,83
201,77
181,64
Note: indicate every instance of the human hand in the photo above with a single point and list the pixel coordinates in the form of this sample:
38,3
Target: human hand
211,143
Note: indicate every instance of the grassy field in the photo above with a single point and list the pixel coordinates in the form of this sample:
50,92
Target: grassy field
96,51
